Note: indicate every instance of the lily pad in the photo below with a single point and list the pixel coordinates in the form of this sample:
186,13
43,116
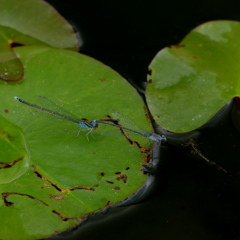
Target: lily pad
14,157
69,177
192,81
46,27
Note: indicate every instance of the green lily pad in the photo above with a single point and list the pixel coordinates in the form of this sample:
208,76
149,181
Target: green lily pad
14,158
69,177
192,81
46,27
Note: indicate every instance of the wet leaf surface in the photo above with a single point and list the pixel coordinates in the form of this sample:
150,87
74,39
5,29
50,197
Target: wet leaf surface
70,177
193,80
46,27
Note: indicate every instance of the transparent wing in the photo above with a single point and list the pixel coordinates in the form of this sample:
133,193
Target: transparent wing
106,130
48,104
126,122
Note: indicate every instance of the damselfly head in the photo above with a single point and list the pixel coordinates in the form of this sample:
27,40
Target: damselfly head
156,138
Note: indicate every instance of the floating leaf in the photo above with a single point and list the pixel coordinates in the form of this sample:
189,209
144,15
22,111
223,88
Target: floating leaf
46,27
14,158
192,81
70,177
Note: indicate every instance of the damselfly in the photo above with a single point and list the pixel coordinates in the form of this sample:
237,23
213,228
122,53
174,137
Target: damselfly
86,124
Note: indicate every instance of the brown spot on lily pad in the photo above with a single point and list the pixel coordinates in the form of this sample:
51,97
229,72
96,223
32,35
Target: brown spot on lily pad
5,195
82,188
122,177
10,164
111,182
149,72
57,197
102,79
